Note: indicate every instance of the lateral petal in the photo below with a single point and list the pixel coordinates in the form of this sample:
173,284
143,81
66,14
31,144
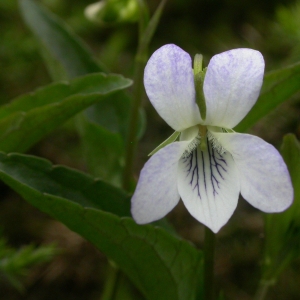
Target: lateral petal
231,86
156,193
169,84
265,180
208,184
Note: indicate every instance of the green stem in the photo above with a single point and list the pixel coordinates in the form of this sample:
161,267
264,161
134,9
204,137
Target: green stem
209,255
262,291
145,36
139,64
133,125
269,279
111,283
146,31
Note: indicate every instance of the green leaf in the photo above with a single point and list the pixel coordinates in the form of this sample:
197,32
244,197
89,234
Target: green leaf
113,114
283,229
39,175
58,38
161,265
104,156
278,87
103,130
73,55
56,92
55,69
36,114
64,53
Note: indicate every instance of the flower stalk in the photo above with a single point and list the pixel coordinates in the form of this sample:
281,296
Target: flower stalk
133,128
262,291
111,284
145,35
209,257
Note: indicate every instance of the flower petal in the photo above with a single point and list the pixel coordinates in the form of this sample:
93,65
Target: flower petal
231,86
156,193
169,84
265,180
208,184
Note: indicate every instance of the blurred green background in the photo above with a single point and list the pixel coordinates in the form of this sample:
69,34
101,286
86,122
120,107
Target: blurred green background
197,26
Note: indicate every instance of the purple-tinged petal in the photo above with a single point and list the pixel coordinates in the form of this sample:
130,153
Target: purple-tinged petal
169,84
231,86
156,193
265,180
209,186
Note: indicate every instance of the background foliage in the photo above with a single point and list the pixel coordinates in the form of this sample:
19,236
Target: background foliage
79,271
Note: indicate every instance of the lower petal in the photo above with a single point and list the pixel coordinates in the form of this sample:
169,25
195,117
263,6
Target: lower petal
156,193
265,180
209,186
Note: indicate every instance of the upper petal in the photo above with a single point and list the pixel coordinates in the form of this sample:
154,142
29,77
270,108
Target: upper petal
169,84
265,180
156,192
231,86
208,184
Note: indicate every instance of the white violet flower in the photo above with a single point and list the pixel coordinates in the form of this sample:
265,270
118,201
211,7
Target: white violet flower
211,164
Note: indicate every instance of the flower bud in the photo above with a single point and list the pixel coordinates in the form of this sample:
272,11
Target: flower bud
113,11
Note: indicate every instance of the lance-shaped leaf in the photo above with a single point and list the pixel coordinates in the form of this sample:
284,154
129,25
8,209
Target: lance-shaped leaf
63,45
104,156
66,56
161,265
60,41
278,86
30,117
